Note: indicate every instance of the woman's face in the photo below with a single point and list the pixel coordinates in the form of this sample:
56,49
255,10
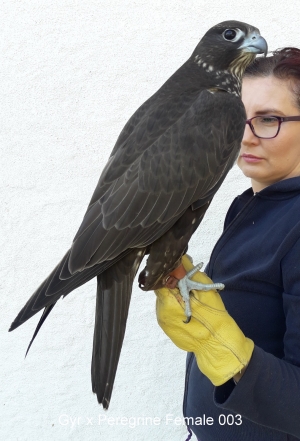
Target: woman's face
277,158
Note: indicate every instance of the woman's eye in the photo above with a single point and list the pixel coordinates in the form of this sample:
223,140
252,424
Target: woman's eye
268,120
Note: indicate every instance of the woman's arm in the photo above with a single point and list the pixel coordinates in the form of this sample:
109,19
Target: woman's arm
269,391
267,394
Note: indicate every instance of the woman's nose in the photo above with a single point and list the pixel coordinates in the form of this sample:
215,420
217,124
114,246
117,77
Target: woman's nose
249,137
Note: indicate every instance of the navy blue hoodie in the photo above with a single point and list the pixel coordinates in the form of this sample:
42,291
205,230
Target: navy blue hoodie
258,259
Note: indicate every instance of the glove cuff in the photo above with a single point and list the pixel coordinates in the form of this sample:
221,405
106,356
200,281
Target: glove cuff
229,363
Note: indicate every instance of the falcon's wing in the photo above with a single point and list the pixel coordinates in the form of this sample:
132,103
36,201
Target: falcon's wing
155,186
154,117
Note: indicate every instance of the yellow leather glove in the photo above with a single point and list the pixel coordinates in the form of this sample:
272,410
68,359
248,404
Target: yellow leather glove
220,347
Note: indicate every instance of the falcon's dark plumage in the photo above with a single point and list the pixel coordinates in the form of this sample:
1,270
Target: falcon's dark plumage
167,164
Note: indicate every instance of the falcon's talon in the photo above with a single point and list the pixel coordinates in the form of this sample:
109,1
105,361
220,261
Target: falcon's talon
185,285
195,269
188,319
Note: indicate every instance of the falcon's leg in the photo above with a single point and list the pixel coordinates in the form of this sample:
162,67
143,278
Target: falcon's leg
185,285
166,252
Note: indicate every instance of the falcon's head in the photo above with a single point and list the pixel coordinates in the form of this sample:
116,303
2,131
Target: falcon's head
230,45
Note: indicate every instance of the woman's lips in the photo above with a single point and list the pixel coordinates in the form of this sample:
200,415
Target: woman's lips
251,158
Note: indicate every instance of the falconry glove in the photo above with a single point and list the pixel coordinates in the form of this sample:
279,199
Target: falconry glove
220,347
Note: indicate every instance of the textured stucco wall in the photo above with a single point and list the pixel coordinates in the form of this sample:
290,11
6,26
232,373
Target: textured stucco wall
72,73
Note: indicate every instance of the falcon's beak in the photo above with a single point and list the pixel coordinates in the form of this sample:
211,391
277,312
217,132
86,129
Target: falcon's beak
255,43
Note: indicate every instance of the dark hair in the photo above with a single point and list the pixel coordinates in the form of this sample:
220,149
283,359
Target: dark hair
283,64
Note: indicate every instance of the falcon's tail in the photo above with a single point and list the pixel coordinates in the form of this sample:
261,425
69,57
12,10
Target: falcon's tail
53,288
45,314
113,298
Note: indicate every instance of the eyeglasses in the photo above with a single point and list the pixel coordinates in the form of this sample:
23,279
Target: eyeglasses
268,126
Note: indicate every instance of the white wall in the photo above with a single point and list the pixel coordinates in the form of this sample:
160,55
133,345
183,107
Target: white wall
72,73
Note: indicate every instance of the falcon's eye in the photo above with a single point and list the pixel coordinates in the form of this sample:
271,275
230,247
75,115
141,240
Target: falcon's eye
231,35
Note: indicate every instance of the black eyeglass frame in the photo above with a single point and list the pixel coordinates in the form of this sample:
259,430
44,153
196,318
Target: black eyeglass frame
280,119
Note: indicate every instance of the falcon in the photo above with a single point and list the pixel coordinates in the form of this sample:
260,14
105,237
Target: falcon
169,161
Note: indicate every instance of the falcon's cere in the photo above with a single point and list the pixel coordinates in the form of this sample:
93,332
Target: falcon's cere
166,166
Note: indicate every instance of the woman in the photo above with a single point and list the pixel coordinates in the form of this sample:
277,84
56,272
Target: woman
243,369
